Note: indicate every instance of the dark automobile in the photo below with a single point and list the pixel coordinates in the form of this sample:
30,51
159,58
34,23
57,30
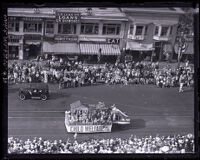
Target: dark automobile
34,91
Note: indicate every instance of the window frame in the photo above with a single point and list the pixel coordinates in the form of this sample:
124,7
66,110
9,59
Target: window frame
39,30
94,25
167,32
14,27
73,28
160,27
49,22
116,26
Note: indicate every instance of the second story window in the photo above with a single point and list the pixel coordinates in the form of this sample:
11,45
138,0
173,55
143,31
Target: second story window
13,26
156,31
49,27
131,30
67,28
89,28
32,27
139,30
111,29
164,31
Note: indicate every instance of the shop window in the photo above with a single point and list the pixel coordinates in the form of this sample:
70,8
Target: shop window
111,29
49,27
164,31
67,28
89,28
13,26
13,52
32,27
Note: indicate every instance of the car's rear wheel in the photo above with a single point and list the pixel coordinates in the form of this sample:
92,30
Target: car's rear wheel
44,97
22,97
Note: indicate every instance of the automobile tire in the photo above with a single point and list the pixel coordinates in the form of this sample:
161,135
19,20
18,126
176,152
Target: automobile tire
44,97
22,97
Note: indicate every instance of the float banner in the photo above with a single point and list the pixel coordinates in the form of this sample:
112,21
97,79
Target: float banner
90,128
63,17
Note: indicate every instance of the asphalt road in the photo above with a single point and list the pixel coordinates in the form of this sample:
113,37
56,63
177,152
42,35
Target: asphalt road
152,110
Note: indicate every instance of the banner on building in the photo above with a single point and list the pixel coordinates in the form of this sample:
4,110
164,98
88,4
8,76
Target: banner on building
64,38
63,17
113,40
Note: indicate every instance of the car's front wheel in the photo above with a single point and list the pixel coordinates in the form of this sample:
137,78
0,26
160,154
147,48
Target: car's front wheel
22,96
44,97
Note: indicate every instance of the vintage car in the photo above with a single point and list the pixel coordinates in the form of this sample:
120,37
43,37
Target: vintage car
34,91
82,118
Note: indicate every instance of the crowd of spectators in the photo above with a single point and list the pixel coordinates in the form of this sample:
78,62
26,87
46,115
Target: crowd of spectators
74,73
148,144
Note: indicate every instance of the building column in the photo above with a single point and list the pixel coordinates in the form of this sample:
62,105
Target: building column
21,49
100,28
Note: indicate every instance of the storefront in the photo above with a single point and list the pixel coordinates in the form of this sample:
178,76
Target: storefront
32,45
105,51
139,51
14,46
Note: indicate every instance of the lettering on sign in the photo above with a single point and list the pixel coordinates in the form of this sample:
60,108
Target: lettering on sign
62,17
31,19
66,38
90,128
113,40
14,38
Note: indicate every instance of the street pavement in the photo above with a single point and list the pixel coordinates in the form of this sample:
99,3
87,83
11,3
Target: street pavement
152,110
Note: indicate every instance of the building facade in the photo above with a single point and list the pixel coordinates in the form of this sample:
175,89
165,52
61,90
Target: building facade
88,32
151,31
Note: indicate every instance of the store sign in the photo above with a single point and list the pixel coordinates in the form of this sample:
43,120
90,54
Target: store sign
31,19
90,128
17,37
63,17
113,40
13,18
64,38
32,37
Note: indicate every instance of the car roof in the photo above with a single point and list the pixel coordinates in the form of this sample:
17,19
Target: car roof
39,85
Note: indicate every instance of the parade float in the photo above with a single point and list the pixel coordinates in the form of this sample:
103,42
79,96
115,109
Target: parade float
93,118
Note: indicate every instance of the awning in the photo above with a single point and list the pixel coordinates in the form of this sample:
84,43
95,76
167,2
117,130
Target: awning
135,46
61,48
109,49
94,49
89,49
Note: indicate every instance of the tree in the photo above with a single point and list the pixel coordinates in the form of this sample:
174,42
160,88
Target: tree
185,28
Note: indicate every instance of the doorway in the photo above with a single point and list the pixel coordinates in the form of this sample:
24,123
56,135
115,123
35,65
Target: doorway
34,51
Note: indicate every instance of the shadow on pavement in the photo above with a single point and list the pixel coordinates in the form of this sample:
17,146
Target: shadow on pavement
58,95
13,90
135,124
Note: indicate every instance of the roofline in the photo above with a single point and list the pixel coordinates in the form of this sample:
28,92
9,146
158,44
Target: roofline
139,10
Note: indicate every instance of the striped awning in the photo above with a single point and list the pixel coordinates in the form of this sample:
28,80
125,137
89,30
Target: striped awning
89,49
96,49
61,48
109,49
